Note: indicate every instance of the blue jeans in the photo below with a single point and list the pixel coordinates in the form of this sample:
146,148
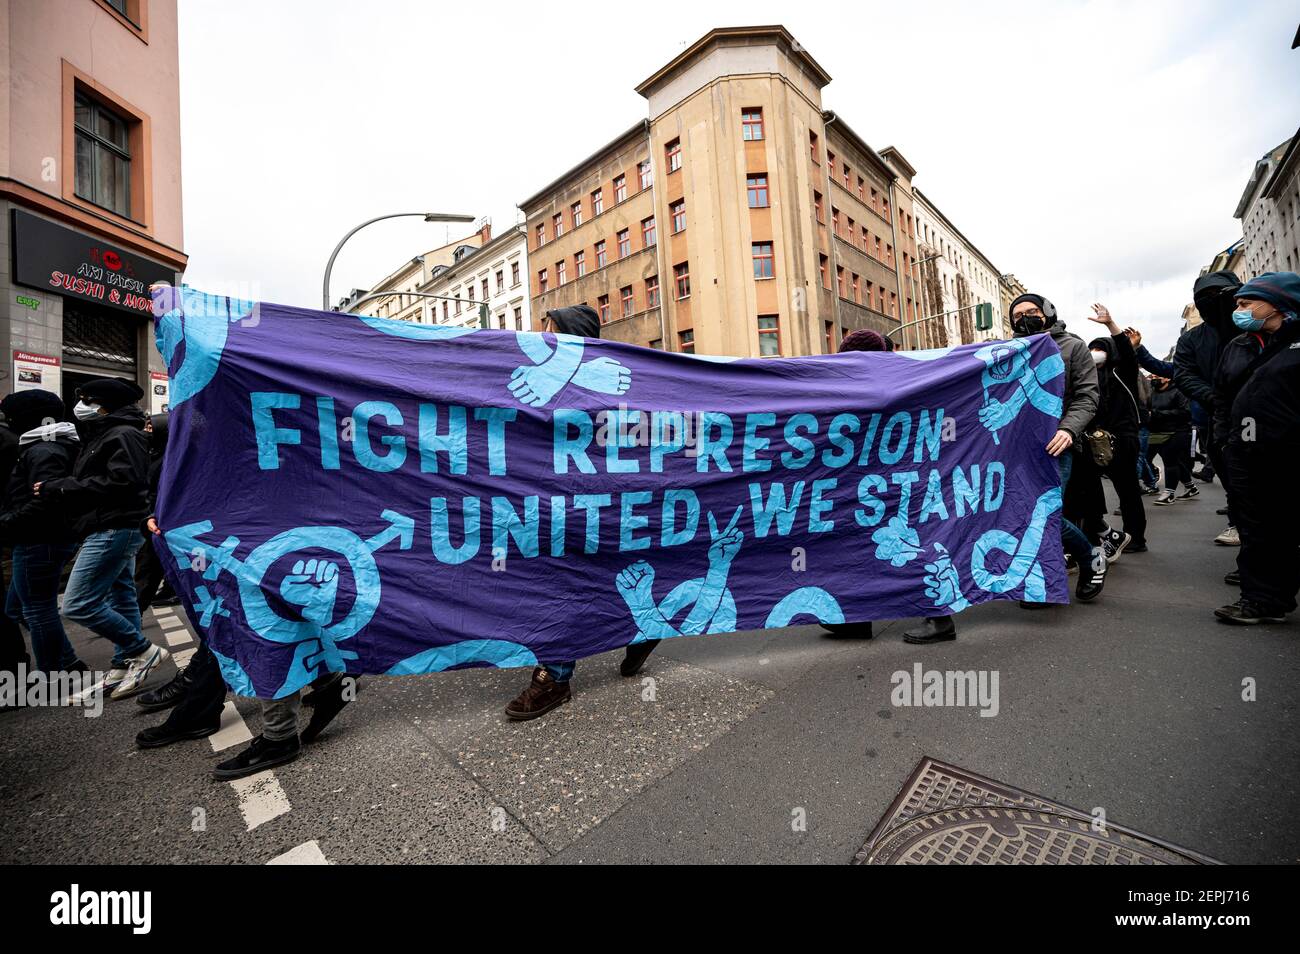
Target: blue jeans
1075,540
101,591
1145,473
560,672
34,597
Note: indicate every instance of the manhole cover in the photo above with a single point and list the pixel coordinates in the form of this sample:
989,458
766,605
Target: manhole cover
946,815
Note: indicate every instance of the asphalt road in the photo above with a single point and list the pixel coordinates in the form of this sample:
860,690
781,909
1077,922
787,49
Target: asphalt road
778,746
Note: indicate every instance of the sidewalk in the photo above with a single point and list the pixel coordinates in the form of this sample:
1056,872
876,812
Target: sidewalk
1133,704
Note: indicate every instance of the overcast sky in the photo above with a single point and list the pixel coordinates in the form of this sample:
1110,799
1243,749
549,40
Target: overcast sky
1095,149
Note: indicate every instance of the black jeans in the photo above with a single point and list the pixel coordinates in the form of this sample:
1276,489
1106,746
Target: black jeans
1088,500
1269,524
202,704
1175,454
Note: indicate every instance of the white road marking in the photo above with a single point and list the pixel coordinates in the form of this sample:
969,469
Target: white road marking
177,637
170,622
182,657
162,612
232,731
260,798
308,853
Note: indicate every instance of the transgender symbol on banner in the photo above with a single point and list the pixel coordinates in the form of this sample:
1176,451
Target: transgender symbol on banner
1007,364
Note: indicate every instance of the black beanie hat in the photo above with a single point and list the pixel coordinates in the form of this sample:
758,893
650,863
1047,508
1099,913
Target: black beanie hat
110,393
579,320
25,410
1045,306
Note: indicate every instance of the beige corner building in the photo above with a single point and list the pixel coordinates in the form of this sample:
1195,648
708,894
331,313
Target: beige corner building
740,217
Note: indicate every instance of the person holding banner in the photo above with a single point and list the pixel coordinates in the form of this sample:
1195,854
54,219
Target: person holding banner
549,686
105,499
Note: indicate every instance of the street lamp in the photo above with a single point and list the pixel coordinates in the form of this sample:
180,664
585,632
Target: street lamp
427,216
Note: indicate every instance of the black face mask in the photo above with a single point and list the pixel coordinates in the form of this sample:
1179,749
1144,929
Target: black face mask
1029,326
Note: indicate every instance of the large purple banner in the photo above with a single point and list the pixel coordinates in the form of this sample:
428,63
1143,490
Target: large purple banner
360,494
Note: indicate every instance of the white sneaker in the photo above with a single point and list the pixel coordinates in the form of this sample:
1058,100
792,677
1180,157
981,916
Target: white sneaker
1229,538
1164,498
138,670
114,677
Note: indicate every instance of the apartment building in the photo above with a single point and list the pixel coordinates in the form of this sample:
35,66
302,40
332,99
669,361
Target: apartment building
957,277
90,190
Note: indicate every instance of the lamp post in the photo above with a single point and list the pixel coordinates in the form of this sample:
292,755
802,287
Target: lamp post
427,216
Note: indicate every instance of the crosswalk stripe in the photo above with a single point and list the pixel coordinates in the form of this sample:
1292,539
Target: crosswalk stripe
182,657
170,622
232,731
177,637
308,853
260,798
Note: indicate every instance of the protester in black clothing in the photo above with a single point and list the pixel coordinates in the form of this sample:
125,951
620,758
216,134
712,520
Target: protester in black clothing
1259,384
104,500
13,649
1171,439
148,569
1196,360
1117,415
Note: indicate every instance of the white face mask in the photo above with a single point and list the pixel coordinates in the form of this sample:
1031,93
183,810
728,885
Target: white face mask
1099,358
85,412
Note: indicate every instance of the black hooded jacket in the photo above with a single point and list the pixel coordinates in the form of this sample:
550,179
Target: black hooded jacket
1117,411
26,517
1171,412
1259,380
1196,356
109,486
157,450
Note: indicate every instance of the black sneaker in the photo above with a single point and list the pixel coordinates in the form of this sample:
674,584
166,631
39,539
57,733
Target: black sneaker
327,702
1233,578
1190,493
1222,511
1030,605
1136,547
1247,613
849,630
261,754
155,737
1115,542
635,656
1092,578
934,629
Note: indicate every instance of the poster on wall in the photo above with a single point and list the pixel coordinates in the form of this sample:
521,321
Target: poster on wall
159,397
32,371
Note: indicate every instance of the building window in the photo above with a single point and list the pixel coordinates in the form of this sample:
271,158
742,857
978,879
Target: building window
541,234
485,289
557,224
657,344
673,152
519,318
866,239
678,212
514,273
769,335
620,189
854,285
835,220
893,305
561,272
757,186
579,263
501,281
751,124
822,261
648,232
598,202
845,175
643,173
877,244
103,157
601,258
602,308
862,183
763,260
814,148
830,337
541,286
889,254
624,243
839,280
686,342
625,297
817,205
830,161
469,291
652,291
446,311
682,279
576,211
